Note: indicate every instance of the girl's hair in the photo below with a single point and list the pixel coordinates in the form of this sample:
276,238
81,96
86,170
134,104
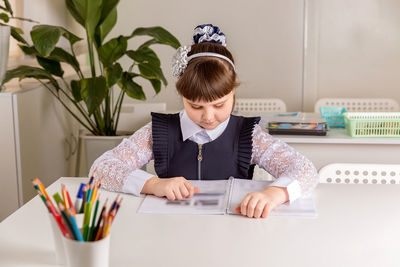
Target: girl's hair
207,78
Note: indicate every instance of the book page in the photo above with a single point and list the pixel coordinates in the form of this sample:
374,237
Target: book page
241,187
211,199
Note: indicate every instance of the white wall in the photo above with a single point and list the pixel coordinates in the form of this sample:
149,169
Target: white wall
265,37
350,49
354,49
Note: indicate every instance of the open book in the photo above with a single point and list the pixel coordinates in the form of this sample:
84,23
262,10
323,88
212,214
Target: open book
222,197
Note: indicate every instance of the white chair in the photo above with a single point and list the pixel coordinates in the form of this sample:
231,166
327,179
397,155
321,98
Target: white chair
359,104
259,105
360,173
134,116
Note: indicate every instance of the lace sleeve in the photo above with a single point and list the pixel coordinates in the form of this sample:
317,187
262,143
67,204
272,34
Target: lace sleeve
279,159
116,164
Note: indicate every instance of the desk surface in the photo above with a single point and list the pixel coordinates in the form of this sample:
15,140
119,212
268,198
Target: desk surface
357,225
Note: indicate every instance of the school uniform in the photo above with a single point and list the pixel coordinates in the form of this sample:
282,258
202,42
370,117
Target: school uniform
180,147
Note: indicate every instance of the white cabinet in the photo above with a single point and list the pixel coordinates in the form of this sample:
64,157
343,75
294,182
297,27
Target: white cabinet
36,139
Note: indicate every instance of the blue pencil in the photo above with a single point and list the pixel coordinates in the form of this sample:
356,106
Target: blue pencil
76,229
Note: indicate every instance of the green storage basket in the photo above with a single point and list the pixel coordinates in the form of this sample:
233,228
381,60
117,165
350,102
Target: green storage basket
372,124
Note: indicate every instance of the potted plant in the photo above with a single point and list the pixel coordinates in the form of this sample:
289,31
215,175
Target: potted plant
89,98
6,14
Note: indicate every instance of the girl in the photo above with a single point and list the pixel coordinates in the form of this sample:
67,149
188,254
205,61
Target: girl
204,141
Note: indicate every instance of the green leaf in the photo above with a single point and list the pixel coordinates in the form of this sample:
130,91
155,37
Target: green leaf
144,55
112,50
156,85
29,50
113,74
52,66
61,55
4,17
105,27
76,90
74,12
107,8
58,54
90,11
23,72
16,34
8,7
45,38
131,88
149,71
148,43
161,35
93,92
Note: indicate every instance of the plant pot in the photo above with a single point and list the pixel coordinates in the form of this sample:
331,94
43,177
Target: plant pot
4,48
95,146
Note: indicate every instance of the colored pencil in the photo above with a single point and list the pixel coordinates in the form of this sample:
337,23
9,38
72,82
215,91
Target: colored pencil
58,199
86,220
98,229
64,196
76,229
71,206
67,221
84,198
91,237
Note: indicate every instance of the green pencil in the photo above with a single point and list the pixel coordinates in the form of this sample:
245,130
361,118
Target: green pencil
86,220
58,198
91,237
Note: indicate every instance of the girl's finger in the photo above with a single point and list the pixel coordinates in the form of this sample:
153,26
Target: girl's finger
251,206
183,190
243,205
259,208
170,195
177,194
266,210
190,188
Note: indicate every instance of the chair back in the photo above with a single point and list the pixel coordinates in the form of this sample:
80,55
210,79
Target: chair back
259,105
359,104
360,173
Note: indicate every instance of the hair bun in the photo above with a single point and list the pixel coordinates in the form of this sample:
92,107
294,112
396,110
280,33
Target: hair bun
208,33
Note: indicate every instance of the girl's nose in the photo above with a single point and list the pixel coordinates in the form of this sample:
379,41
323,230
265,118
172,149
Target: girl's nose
208,115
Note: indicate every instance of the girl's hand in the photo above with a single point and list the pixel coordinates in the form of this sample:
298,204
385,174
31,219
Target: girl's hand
261,203
175,188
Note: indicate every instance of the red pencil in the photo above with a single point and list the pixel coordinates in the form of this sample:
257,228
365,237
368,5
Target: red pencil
58,219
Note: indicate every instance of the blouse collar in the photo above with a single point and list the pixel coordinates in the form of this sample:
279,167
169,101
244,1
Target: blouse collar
190,128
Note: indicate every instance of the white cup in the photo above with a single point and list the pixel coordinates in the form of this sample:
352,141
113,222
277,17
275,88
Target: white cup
87,254
60,255
57,237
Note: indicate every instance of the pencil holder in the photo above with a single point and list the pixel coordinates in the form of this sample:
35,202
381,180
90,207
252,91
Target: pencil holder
87,254
59,247
57,237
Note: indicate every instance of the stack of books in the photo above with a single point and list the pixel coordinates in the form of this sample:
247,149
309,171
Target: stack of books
297,123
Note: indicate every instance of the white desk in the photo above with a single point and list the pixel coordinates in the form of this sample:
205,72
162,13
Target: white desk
357,225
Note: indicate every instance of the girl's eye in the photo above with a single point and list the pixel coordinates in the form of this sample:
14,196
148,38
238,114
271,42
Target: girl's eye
195,107
219,106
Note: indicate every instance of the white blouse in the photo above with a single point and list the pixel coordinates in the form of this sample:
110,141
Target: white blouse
120,167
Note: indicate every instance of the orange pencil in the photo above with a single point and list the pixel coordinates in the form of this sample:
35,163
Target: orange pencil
64,195
71,206
38,183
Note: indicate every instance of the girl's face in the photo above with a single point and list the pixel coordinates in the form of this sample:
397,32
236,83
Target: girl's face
209,115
